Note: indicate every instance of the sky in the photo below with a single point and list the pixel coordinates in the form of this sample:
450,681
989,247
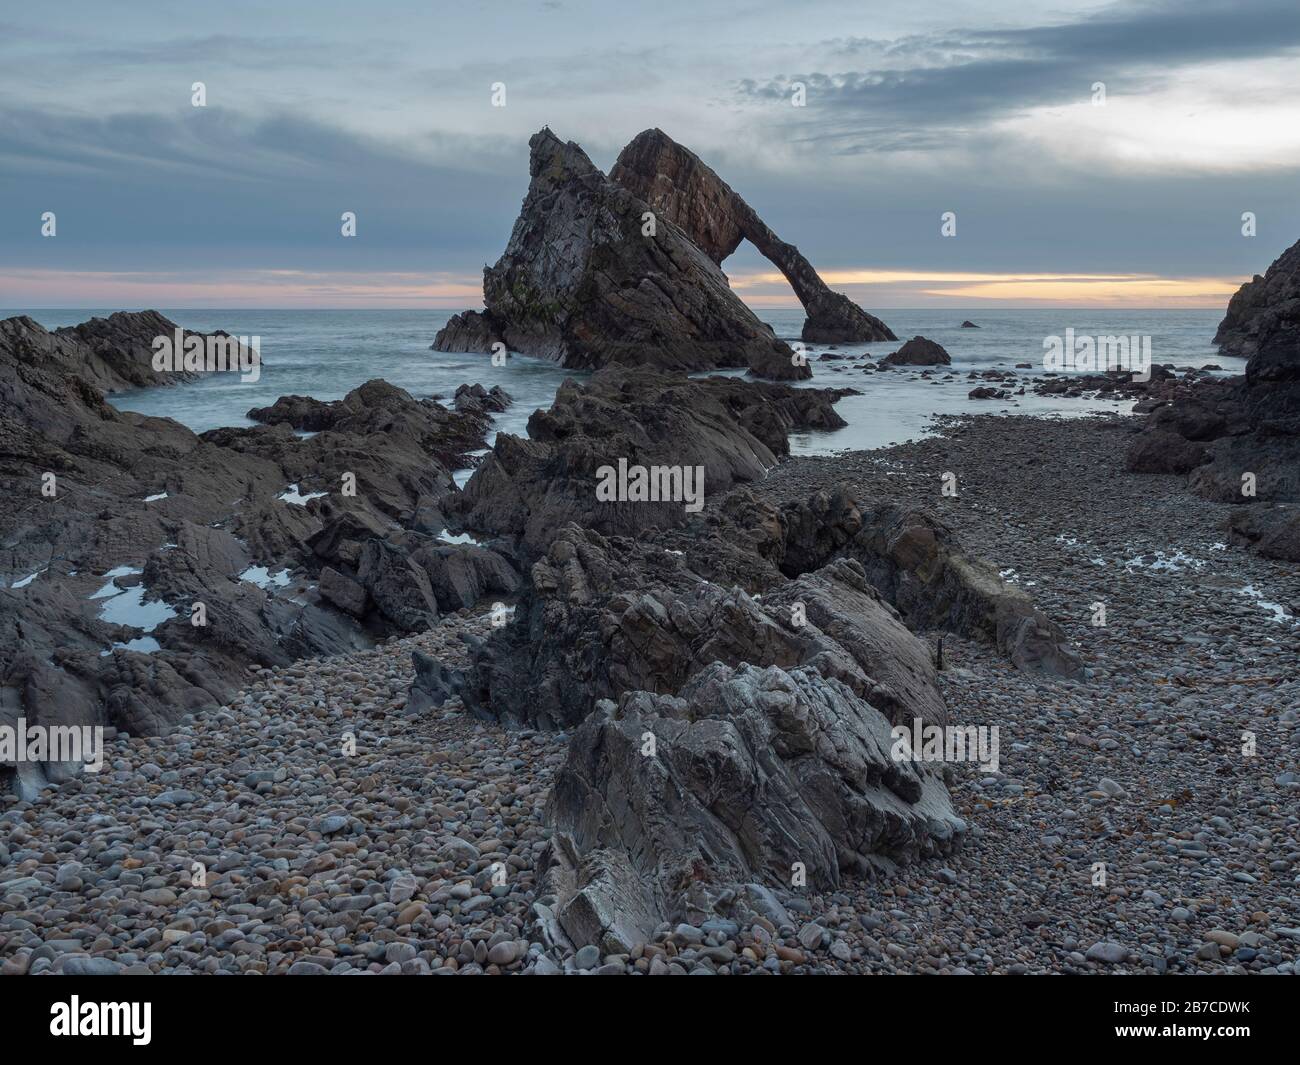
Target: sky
1093,154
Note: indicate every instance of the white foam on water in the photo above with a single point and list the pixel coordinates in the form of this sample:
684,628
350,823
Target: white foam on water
146,645
25,581
264,578
111,587
461,477
129,608
298,499
457,538
1276,611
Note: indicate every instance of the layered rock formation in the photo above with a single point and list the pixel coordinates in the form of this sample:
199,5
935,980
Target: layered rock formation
753,775
726,431
763,653
680,187
585,283
1239,440
1264,315
601,616
122,526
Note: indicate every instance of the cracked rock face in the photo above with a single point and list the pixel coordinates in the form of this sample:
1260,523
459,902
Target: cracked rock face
144,509
679,186
1263,316
733,431
668,805
603,617
585,283
1219,431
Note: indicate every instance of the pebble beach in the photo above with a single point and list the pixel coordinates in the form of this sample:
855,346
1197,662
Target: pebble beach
312,826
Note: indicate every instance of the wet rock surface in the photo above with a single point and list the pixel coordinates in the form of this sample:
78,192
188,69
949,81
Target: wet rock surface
146,568
1239,440
585,283
919,352
717,431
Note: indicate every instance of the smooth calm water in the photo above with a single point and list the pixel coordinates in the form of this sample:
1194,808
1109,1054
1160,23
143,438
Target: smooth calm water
325,354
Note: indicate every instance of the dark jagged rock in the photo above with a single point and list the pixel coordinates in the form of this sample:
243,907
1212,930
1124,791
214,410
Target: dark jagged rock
1164,452
468,331
1263,317
680,187
918,352
755,771
110,354
434,684
601,617
581,284
342,591
918,564
734,430
968,324
475,399
463,574
184,522
298,412
1273,529
1239,439
399,588
425,426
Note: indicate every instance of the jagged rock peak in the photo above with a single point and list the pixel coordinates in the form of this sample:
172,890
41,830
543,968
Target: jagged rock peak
585,283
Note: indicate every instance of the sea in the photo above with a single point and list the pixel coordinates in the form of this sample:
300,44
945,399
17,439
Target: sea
326,353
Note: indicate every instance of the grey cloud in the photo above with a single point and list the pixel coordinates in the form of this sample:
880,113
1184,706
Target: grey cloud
213,189
923,90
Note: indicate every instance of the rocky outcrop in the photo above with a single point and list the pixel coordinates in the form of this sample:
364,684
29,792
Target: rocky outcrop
917,563
376,407
110,354
714,433
604,616
681,188
146,568
475,399
918,352
1238,440
585,282
1164,452
668,806
1263,317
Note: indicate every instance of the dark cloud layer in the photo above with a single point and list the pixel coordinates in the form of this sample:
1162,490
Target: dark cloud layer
214,189
922,91
897,129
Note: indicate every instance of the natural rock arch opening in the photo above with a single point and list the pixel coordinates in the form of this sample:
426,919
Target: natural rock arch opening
675,182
